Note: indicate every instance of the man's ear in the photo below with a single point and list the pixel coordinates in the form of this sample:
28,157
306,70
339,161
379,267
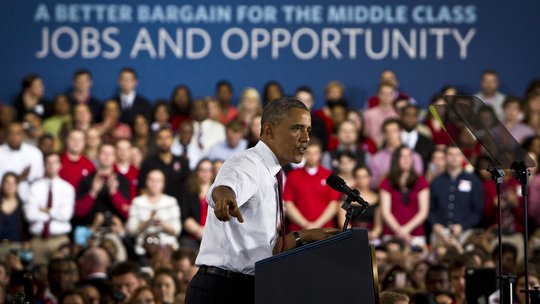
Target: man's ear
268,130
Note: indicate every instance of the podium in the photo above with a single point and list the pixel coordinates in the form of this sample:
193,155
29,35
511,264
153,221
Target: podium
340,269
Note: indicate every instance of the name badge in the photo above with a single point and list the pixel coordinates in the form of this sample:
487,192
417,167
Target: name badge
465,186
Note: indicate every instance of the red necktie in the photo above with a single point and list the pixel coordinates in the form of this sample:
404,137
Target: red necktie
279,177
46,232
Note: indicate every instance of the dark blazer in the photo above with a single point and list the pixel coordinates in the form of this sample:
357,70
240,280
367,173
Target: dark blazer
424,147
141,105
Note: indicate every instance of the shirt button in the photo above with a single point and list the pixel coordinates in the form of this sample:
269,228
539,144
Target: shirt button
452,188
450,214
451,197
450,206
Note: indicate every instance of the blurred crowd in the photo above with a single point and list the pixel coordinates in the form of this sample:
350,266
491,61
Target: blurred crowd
103,200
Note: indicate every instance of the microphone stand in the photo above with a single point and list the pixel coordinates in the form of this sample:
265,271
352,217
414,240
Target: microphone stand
347,206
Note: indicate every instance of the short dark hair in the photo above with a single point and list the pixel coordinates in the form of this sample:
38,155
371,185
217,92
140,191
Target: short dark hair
185,252
510,100
28,80
304,88
489,71
167,272
506,248
390,121
235,125
437,268
314,141
410,106
224,83
80,72
276,110
129,70
391,297
125,268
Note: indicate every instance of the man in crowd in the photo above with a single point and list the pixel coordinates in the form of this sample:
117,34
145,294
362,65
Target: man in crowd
184,147
75,165
207,132
131,103
489,92
82,86
347,140
456,198
309,201
512,122
103,191
173,167
412,137
234,142
124,167
63,275
49,210
126,277
21,158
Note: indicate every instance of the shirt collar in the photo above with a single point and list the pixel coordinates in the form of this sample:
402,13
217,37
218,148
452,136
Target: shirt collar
268,157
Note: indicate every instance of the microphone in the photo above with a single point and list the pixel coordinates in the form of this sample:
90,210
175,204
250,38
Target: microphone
337,183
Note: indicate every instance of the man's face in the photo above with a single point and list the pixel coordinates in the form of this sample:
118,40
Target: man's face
392,134
313,156
291,136
15,136
123,150
52,165
111,110
454,158
164,140
127,82
75,142
233,137
457,280
64,276
199,110
511,112
106,156
409,118
389,77
490,83
437,281
82,83
386,95
37,88
185,132
126,283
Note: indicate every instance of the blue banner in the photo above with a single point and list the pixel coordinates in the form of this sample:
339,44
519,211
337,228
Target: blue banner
429,44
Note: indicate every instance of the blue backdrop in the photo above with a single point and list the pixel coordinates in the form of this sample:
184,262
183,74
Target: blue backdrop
429,44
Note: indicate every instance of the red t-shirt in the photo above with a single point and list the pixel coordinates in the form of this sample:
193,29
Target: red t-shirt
310,194
401,211
74,171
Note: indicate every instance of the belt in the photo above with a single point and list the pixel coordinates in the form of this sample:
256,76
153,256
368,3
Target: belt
203,269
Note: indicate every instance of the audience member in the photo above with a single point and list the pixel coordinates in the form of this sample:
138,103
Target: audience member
271,91
374,118
489,92
207,132
129,101
180,105
233,143
436,165
306,96
75,165
249,106
81,92
111,129
60,122
33,127
511,122
13,226
82,117
390,297
143,295
224,93
63,275
31,98
73,297
93,142
49,210
404,199
165,286
347,140
126,278
309,201
124,167
184,147
412,137
367,144
161,115
141,135
389,76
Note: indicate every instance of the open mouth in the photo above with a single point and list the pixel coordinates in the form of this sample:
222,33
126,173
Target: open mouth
302,150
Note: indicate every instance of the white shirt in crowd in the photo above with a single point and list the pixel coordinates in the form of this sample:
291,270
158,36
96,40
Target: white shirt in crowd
127,100
17,160
235,246
194,153
208,133
496,102
61,212
409,139
167,211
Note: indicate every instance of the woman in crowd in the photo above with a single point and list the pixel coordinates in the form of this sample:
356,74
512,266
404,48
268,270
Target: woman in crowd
154,212
143,295
31,98
249,106
73,297
82,117
437,164
93,141
366,143
194,203
532,111
180,105
160,115
404,199
272,90
13,227
345,165
165,286
141,135
111,129
59,123
371,219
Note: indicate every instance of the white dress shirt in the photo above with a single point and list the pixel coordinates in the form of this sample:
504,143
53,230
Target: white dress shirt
209,132
167,211
17,160
194,153
235,246
61,212
127,100
409,139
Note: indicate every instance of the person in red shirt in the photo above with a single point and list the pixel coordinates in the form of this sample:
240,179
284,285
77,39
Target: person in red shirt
124,167
74,165
404,199
309,201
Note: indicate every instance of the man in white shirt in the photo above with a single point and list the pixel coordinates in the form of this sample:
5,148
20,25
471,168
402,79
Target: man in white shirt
184,147
21,158
233,143
49,210
249,188
489,92
206,132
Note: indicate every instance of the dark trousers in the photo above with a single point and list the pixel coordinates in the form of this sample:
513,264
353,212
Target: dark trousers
215,289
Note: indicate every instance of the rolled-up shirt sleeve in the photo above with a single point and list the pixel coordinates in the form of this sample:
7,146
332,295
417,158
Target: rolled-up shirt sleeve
239,174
